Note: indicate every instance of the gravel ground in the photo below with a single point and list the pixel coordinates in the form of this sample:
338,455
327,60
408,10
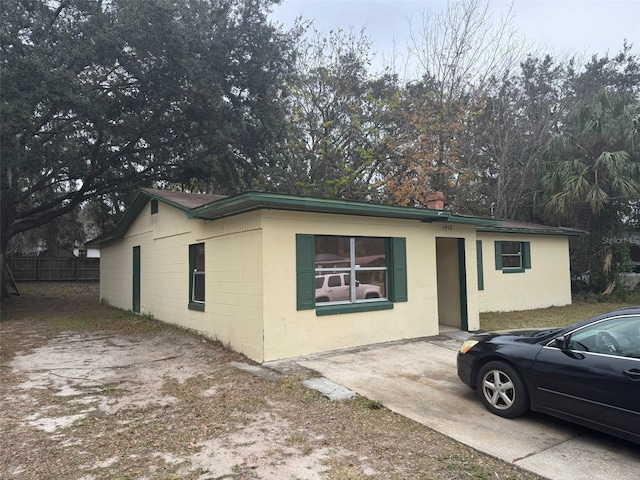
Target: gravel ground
89,392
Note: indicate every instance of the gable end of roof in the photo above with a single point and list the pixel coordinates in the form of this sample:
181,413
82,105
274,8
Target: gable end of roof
186,202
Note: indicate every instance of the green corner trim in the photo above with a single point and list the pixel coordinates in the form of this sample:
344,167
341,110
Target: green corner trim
462,279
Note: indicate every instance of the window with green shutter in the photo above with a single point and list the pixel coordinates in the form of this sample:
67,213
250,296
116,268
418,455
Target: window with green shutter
305,272
340,274
512,257
398,266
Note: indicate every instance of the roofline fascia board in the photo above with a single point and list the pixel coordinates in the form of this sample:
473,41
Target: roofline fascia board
252,201
132,213
531,231
255,200
125,222
479,222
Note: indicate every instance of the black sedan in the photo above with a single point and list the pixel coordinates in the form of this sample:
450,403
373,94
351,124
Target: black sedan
588,373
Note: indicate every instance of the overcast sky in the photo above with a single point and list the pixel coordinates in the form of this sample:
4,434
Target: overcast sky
561,27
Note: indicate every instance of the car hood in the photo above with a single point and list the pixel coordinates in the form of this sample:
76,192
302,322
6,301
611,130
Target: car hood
530,335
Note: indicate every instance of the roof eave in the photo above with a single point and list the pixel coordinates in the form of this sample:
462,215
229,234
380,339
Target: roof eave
251,201
125,222
143,196
478,222
529,231
255,201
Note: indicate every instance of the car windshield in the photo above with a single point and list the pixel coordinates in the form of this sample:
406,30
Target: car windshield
548,332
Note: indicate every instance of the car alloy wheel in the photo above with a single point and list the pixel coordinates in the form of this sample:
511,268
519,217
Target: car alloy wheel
502,390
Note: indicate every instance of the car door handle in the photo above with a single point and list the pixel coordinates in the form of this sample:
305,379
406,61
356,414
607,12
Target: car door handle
633,374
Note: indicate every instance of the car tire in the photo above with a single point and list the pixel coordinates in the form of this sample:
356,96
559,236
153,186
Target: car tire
502,390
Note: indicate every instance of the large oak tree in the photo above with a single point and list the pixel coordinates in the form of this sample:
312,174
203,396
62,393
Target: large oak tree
102,96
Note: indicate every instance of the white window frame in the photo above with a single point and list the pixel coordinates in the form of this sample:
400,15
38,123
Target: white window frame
195,274
352,269
520,265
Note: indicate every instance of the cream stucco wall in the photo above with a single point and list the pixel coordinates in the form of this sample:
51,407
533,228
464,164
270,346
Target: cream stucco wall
289,332
545,284
233,274
250,281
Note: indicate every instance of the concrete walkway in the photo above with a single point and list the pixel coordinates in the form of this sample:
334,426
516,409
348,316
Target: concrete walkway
418,380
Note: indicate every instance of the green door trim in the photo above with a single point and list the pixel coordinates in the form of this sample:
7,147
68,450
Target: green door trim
136,280
462,278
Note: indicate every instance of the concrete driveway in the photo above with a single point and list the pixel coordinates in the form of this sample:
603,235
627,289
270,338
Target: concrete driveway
418,380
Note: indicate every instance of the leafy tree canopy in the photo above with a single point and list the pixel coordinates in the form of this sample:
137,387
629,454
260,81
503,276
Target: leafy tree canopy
101,96
338,131
592,179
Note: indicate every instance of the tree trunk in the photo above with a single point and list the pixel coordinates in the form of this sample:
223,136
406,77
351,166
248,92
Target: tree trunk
7,196
4,291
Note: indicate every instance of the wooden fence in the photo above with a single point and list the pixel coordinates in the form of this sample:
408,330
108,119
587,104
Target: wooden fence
42,269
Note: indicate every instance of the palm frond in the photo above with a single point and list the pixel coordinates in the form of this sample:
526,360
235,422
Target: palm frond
596,199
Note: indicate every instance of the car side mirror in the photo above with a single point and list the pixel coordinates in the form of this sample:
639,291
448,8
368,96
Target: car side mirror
357,283
562,342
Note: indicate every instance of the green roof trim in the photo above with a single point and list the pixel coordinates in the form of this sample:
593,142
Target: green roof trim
125,222
143,196
212,207
533,229
251,201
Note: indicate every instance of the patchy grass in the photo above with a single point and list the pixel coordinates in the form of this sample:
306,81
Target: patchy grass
371,404
581,309
205,413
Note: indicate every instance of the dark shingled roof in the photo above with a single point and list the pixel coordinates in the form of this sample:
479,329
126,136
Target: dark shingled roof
515,226
186,200
211,207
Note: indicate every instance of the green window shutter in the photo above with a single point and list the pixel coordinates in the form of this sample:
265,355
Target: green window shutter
305,272
526,255
397,270
192,265
498,255
480,266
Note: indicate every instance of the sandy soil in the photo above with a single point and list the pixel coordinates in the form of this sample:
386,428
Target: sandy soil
88,392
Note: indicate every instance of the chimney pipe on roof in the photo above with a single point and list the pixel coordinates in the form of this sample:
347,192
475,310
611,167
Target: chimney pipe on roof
435,200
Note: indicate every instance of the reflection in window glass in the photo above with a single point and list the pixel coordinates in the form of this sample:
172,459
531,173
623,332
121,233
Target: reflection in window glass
197,280
511,254
616,337
350,269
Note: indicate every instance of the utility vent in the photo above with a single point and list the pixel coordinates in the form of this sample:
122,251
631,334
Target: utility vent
154,207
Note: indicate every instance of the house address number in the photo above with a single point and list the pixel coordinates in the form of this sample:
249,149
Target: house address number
447,226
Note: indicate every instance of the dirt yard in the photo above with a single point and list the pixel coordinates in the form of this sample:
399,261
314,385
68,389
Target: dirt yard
90,392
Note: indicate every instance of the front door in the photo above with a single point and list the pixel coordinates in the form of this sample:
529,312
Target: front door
136,279
452,282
